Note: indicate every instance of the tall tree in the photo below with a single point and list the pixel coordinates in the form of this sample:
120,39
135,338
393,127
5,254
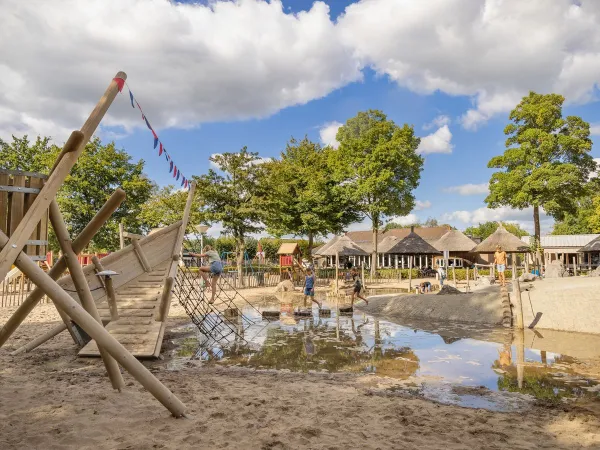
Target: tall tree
483,230
378,166
234,197
166,206
302,198
546,163
98,172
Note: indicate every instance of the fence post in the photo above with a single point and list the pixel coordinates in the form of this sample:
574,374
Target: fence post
518,303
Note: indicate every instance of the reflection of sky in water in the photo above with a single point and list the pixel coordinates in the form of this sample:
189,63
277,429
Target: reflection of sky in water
445,352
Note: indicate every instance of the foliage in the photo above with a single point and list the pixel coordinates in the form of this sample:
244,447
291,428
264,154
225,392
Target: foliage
302,199
98,172
586,220
429,223
166,206
546,163
377,166
483,230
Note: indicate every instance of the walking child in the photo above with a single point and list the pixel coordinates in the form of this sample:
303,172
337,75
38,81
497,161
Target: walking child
357,287
500,261
215,267
309,287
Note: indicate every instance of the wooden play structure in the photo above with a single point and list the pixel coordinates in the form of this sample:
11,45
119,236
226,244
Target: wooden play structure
130,290
290,256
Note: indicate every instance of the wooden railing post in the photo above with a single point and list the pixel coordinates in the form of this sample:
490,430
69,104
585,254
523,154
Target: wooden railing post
110,290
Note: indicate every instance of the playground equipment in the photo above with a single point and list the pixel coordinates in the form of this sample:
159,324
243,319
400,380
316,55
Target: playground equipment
289,265
78,304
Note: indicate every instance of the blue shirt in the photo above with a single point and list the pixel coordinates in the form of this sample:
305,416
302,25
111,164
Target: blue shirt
309,281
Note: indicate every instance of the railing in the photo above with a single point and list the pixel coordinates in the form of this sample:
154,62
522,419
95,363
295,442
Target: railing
15,288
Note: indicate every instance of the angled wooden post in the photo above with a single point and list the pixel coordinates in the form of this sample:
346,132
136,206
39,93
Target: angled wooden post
141,255
121,237
71,151
82,288
97,332
111,296
58,269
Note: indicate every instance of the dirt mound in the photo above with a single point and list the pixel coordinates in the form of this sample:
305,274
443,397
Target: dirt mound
285,286
448,290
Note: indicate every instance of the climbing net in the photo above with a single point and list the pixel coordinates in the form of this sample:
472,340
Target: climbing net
221,322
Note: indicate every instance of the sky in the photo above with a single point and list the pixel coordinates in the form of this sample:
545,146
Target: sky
214,76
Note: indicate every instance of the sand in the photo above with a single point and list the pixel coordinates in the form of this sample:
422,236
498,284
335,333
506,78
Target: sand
52,399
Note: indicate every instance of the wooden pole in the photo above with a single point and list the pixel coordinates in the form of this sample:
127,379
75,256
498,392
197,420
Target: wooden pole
72,150
97,332
468,279
111,295
514,266
82,288
520,345
165,299
141,255
121,237
454,275
337,266
575,265
40,340
410,261
58,269
516,290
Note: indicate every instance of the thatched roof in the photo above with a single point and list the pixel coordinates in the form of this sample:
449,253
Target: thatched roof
509,243
387,243
413,244
344,247
455,241
590,247
325,246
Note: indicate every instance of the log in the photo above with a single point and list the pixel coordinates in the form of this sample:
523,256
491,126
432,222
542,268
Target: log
141,256
111,296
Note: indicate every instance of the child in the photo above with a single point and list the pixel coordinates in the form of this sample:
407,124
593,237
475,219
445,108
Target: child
357,287
309,287
442,274
215,267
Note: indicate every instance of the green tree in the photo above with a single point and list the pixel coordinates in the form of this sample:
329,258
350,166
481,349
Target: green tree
235,196
302,198
166,206
98,172
483,230
546,163
378,166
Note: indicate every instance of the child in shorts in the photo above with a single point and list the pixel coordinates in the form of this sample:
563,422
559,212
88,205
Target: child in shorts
309,287
215,267
357,287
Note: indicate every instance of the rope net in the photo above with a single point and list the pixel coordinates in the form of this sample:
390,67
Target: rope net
221,322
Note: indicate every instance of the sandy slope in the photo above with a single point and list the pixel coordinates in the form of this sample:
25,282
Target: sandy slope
52,399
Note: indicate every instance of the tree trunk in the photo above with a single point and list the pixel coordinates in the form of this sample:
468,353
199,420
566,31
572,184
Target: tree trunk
537,233
375,227
310,246
241,247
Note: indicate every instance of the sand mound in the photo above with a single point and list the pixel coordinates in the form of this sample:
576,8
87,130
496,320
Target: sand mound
285,286
448,290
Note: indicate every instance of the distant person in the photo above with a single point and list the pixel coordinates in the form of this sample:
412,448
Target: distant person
357,287
500,261
309,287
215,268
442,273
425,287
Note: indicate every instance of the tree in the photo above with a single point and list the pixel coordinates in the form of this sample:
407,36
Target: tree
98,172
235,197
302,198
165,207
546,163
378,167
483,230
431,222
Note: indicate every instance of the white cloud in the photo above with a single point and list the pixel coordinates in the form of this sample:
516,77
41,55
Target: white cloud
213,164
595,174
437,142
404,220
260,160
522,217
439,121
595,129
419,205
478,49
469,189
328,131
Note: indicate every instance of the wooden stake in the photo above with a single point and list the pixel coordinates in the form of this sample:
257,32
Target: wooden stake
520,345
468,287
121,237
337,265
40,340
454,275
97,332
110,290
575,265
516,290
410,261
83,289
141,256
60,266
72,149
165,299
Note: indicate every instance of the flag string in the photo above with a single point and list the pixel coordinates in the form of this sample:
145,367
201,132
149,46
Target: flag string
157,141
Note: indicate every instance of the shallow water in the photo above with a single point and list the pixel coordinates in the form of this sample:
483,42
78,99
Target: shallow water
430,359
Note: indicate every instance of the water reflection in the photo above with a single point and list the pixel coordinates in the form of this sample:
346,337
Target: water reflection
529,362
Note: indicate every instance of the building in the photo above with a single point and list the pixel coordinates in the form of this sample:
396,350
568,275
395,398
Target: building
565,248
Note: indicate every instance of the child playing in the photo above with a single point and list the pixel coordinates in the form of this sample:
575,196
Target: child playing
357,287
309,287
215,267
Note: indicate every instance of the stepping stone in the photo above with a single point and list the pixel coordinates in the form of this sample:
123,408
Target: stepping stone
324,312
347,310
303,313
271,314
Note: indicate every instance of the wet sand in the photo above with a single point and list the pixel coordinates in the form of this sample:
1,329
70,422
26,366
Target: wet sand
50,399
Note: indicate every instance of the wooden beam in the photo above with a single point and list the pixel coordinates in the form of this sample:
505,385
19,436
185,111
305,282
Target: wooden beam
98,332
132,235
60,266
110,290
121,237
165,300
40,340
71,151
141,256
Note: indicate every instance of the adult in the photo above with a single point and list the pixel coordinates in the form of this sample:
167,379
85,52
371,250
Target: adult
500,261
215,268
442,273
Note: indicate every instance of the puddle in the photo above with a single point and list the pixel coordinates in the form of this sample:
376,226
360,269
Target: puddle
493,368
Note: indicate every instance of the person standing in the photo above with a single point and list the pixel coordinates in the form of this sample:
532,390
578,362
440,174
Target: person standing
500,261
357,287
215,268
442,274
309,287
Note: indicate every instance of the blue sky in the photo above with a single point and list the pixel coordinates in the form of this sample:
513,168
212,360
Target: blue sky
216,75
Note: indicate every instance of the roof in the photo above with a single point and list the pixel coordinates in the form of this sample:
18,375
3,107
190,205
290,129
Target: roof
413,244
455,241
387,243
326,245
563,240
344,247
288,248
365,238
592,246
509,242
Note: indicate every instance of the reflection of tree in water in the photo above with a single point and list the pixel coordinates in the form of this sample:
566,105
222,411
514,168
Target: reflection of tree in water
317,347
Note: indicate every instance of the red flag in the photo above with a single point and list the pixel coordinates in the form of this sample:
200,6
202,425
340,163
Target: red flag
120,83
160,150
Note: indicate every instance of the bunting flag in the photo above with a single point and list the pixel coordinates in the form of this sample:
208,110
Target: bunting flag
157,142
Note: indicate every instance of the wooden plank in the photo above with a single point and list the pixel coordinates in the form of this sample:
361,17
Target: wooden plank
23,173
20,190
4,205
29,199
17,206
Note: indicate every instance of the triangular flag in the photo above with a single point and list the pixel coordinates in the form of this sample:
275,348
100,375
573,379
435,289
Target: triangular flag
160,149
182,181
171,167
147,123
175,172
186,184
155,142
178,173
131,97
120,83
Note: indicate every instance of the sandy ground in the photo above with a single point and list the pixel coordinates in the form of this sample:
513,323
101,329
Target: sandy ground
52,399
